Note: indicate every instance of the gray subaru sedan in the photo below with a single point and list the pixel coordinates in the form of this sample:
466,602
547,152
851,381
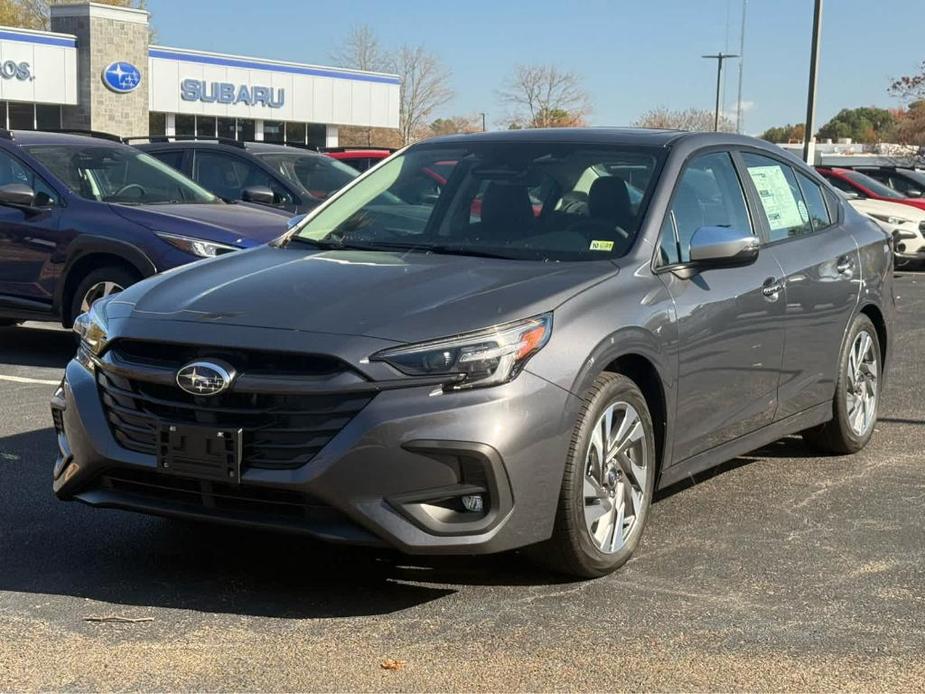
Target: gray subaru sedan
490,342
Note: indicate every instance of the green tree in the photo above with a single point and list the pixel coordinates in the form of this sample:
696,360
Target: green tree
866,124
784,133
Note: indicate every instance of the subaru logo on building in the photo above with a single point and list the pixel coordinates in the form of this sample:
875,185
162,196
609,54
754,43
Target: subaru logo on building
205,378
121,77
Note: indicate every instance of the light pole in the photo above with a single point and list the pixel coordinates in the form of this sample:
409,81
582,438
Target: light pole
483,121
741,67
719,58
811,96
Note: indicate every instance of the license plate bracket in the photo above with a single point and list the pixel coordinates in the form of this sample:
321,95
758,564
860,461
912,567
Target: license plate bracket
203,452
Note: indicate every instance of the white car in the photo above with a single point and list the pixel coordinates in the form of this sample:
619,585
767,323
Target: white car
906,223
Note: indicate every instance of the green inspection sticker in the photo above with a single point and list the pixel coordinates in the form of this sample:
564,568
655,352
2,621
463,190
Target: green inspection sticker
602,245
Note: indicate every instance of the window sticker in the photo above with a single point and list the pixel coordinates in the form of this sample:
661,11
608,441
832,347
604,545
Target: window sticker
780,207
602,245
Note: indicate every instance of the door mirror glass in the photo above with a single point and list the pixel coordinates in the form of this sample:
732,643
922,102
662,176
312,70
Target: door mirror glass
713,247
17,194
258,194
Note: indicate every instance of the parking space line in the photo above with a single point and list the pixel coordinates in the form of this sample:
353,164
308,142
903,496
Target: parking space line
22,379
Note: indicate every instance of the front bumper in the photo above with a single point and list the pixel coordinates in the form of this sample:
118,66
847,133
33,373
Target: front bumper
384,479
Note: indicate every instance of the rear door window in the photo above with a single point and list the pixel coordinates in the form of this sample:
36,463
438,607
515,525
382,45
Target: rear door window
781,198
173,158
815,203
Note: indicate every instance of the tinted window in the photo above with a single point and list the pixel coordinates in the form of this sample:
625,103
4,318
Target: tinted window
227,176
780,195
173,159
318,175
815,203
14,171
875,187
118,174
518,200
842,185
708,194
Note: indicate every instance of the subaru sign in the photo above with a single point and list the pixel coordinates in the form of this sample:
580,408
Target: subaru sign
122,77
10,69
228,93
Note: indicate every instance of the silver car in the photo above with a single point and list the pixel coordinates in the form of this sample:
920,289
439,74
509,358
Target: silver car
489,342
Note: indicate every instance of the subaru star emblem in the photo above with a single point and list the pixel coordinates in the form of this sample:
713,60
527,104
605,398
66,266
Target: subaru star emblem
121,77
205,378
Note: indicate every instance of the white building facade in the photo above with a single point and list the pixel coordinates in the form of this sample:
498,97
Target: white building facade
97,72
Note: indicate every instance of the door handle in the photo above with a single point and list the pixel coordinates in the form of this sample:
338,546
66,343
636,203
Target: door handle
771,288
845,266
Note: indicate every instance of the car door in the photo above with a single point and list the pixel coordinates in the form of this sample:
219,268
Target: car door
730,345
822,277
227,175
28,239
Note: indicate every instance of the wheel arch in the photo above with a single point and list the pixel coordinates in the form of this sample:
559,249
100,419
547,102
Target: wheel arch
95,253
873,312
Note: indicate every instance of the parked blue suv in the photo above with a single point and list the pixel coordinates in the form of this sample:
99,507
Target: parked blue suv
83,217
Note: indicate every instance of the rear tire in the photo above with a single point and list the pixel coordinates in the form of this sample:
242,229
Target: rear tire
98,284
857,394
608,483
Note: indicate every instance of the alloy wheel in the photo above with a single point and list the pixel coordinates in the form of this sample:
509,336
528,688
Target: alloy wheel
616,469
862,376
97,292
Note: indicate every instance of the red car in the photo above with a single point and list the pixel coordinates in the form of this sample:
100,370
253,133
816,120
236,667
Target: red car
864,186
360,158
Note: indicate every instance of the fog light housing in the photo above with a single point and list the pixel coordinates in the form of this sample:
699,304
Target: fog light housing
474,503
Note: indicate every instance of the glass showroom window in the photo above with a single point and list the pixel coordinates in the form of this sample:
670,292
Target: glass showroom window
21,116
185,125
205,126
295,132
227,129
274,131
157,124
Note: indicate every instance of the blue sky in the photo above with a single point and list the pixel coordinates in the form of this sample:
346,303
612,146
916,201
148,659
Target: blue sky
632,55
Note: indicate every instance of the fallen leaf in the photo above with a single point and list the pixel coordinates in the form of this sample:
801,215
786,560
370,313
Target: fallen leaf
390,664
119,620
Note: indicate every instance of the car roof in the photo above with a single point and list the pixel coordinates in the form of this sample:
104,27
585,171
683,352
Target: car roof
39,137
600,135
252,147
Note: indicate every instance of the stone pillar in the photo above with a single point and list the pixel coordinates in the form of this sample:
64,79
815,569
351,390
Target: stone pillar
106,35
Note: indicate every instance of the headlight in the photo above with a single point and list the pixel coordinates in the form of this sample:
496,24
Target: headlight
91,328
889,219
198,247
484,358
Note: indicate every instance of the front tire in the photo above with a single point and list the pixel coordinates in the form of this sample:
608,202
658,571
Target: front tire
98,284
857,394
608,482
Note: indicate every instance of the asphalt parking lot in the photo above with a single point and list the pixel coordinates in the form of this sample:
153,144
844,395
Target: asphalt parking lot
777,571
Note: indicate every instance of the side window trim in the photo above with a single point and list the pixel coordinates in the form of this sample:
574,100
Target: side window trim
655,265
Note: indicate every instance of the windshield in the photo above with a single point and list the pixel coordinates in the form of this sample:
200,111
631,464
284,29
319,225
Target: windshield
318,175
875,187
119,174
531,201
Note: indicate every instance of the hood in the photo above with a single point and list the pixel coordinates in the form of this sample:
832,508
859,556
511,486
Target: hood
885,208
239,225
402,297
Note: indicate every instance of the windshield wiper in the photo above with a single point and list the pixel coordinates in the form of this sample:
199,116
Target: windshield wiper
397,246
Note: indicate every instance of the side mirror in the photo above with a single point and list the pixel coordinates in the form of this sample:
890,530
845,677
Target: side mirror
294,221
258,194
850,195
715,247
913,193
17,194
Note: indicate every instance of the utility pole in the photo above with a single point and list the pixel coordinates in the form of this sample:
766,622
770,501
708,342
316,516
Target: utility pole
741,67
483,121
809,150
719,58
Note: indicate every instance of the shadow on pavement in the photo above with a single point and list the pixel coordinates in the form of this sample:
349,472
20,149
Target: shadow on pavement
36,347
56,548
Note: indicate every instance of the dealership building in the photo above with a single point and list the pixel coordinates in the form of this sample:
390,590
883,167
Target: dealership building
97,71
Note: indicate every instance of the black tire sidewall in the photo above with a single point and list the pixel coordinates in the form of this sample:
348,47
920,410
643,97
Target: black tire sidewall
852,441
608,389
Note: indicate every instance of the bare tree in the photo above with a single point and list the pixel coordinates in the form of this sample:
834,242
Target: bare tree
454,125
361,51
34,14
543,96
689,119
424,88
909,86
